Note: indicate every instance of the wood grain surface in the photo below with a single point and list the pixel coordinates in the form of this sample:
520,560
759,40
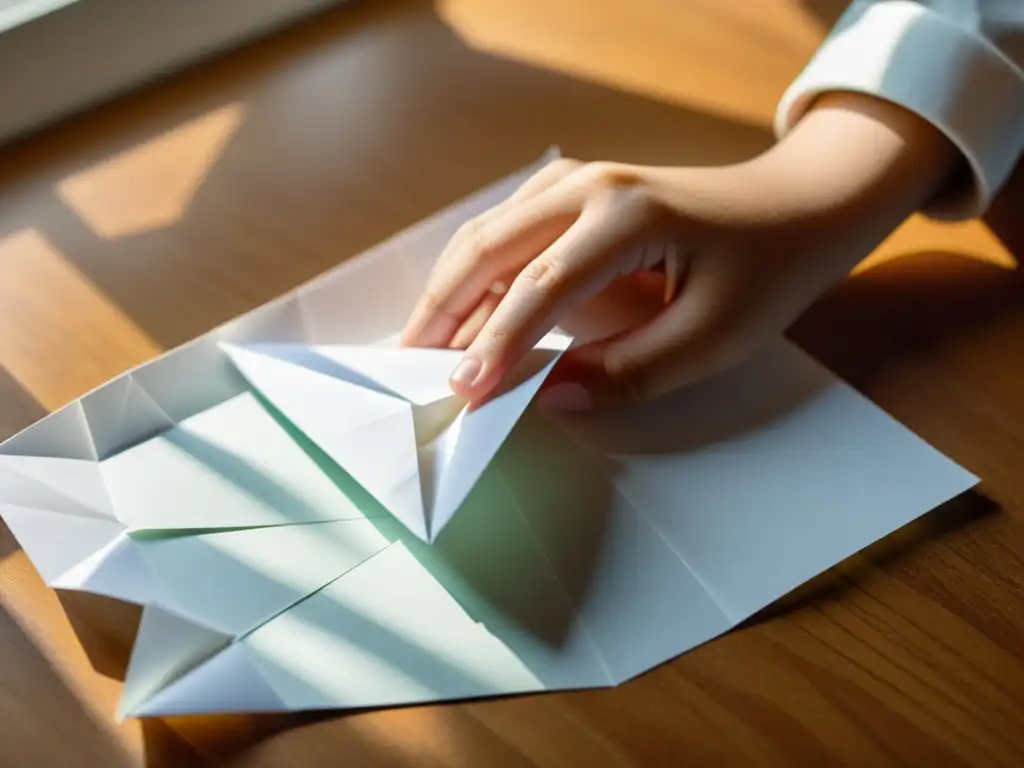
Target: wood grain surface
135,227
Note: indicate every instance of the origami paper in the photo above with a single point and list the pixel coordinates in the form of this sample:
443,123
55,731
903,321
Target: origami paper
389,418
311,520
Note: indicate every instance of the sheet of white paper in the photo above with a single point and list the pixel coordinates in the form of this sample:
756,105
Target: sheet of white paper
57,542
63,434
385,633
419,376
774,473
492,564
230,466
117,570
471,443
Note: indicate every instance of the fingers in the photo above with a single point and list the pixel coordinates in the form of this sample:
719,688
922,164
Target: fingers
473,324
576,267
502,239
698,336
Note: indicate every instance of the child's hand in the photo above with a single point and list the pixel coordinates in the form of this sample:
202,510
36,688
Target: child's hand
681,271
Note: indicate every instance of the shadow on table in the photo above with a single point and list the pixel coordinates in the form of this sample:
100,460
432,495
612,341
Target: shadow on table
18,410
38,704
827,12
905,307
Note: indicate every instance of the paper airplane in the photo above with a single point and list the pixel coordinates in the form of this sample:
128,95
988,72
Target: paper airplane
389,418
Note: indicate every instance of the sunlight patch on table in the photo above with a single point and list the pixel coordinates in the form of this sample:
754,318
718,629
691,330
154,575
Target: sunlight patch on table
969,239
152,185
730,58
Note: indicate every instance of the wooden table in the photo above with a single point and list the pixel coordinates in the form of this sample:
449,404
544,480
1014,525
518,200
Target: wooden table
149,221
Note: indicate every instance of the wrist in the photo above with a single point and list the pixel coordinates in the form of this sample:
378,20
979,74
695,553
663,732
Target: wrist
843,179
860,160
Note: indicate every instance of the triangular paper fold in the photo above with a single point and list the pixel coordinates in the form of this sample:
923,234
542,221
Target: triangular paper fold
67,486
120,414
388,417
227,682
369,434
57,542
166,646
117,571
64,434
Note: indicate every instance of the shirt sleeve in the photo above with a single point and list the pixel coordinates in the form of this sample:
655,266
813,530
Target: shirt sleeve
959,64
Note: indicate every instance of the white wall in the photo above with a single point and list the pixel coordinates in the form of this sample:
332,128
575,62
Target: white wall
91,50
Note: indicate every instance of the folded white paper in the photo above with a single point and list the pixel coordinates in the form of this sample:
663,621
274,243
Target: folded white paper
312,520
389,418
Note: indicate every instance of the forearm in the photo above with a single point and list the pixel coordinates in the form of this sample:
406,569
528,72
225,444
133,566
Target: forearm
863,155
831,190
856,166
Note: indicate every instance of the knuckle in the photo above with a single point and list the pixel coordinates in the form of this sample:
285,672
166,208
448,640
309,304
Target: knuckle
548,278
467,231
561,166
537,272
434,301
607,175
621,187
474,241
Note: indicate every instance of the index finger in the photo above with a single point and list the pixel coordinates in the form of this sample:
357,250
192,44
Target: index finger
577,266
470,265
422,327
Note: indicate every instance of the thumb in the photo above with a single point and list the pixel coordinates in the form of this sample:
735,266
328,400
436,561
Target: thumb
693,338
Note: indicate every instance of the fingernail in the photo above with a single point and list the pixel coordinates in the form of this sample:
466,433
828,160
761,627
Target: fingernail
466,372
565,397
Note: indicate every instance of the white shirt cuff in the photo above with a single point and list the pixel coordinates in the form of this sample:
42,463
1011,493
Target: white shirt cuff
957,80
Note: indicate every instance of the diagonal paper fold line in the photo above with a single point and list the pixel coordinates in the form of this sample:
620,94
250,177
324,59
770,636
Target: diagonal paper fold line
120,414
57,542
63,434
117,570
166,647
475,437
228,681
417,375
67,486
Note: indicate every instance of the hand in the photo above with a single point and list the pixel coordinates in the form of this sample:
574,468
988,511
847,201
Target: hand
672,274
